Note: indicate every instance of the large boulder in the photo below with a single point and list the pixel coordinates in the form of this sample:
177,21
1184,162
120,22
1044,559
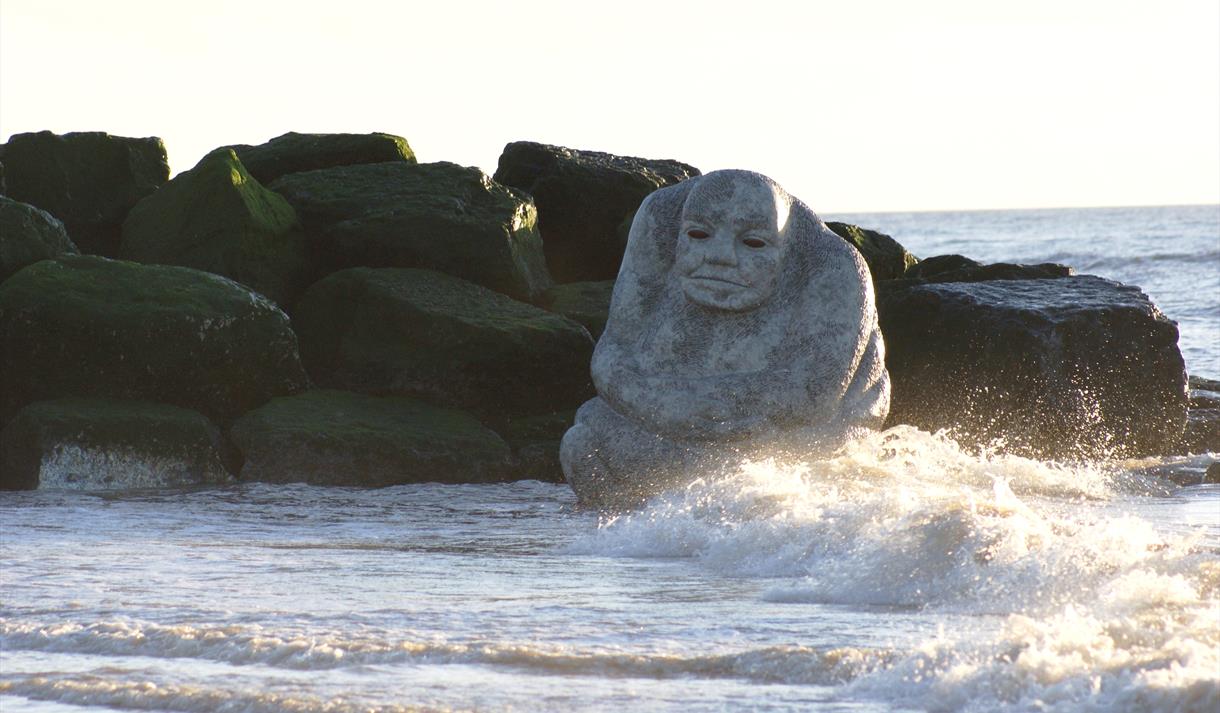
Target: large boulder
329,437
89,180
886,258
582,198
27,235
438,216
103,444
420,333
87,326
585,302
293,153
217,217
1065,367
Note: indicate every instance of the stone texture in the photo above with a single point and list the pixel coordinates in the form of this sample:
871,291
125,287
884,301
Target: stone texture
585,302
420,333
1202,433
106,444
438,216
89,180
329,437
1065,367
582,198
293,153
886,258
87,326
216,217
958,268
740,326
27,235
535,442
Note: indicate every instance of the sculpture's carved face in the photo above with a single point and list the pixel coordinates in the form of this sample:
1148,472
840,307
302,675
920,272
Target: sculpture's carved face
731,244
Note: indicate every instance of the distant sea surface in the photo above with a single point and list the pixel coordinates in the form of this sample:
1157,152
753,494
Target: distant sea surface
902,574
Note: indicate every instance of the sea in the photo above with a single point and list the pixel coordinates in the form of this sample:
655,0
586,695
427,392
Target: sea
903,573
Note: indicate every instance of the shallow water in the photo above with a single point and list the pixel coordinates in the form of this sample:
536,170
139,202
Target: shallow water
901,574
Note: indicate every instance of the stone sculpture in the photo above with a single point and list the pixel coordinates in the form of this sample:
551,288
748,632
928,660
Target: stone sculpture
740,327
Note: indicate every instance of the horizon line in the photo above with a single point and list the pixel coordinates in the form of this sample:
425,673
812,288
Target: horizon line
1023,208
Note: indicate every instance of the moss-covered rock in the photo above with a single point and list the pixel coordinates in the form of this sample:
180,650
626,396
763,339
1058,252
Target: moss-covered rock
959,268
438,216
293,153
89,180
423,334
217,217
886,258
327,437
104,444
27,235
86,326
582,198
534,441
585,302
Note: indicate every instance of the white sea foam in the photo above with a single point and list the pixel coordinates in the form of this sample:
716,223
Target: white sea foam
252,645
1100,610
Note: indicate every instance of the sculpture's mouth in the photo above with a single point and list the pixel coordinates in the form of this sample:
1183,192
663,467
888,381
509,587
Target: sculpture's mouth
718,280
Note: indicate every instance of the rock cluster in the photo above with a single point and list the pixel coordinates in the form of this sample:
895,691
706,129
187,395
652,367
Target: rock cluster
324,308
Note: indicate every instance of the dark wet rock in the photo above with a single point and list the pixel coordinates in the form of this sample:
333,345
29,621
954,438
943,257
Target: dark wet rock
535,444
420,333
87,326
886,258
27,235
106,444
582,198
958,268
216,217
89,180
1212,476
585,302
327,437
1202,433
1073,366
3,182
293,153
438,216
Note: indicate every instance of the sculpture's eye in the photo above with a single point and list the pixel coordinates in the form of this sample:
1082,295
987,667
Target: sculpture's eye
696,234
755,242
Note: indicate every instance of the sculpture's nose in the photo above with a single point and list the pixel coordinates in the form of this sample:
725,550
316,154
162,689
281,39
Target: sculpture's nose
720,249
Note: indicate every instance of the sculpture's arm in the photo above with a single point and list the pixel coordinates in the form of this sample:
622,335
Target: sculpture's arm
723,406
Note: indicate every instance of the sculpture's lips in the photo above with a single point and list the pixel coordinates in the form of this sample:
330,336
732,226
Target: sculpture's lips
721,280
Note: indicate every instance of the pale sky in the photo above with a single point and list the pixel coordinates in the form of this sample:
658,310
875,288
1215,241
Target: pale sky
851,106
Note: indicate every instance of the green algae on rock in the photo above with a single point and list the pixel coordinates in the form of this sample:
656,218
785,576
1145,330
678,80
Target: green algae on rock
534,441
217,217
293,152
89,180
87,326
104,444
585,302
328,437
438,216
424,334
886,258
27,235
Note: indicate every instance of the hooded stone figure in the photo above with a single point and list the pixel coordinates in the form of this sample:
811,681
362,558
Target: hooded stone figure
740,327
